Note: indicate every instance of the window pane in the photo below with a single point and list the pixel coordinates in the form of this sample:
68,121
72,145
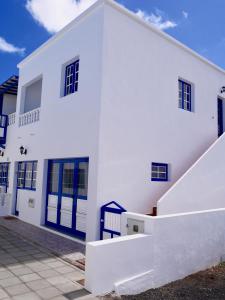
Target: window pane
28,175
34,175
154,168
68,178
54,178
20,175
162,175
82,184
162,169
154,175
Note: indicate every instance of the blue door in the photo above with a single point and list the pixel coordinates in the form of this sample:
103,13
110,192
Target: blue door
220,116
66,205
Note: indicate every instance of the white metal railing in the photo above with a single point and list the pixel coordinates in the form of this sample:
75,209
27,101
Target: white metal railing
11,119
29,117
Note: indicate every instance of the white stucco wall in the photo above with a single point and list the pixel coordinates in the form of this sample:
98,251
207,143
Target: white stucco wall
140,120
177,246
122,250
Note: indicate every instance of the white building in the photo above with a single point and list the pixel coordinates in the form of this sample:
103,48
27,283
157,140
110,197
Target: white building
109,109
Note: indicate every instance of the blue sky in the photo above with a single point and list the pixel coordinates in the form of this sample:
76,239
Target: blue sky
26,24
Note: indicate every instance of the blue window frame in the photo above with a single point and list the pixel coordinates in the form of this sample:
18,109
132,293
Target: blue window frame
71,78
159,171
184,95
4,174
26,175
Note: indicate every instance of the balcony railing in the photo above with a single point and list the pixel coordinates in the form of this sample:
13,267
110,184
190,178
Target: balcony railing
11,119
29,117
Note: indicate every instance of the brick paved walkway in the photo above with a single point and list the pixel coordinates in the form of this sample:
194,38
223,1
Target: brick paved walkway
62,247
30,272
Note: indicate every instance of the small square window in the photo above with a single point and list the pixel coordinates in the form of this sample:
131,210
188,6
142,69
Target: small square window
185,96
159,172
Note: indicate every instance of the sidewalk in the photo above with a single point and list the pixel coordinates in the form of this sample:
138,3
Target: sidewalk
31,272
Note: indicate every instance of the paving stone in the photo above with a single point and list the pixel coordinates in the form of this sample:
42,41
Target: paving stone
58,280
15,266
49,293
5,274
9,281
3,294
26,259
17,289
58,298
56,264
27,296
74,276
29,277
48,273
68,287
38,284
65,269
37,266
8,261
22,271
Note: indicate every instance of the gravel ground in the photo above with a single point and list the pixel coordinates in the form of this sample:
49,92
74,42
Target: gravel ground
209,284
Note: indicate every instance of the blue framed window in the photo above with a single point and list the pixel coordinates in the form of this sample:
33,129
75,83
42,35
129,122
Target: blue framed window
184,95
159,172
71,78
26,175
4,174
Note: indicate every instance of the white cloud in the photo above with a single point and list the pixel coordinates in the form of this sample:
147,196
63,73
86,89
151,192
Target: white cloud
157,19
53,15
185,14
10,48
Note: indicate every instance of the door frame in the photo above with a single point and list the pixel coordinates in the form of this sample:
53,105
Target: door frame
69,231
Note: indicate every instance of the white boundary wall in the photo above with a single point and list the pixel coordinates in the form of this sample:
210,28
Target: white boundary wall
174,247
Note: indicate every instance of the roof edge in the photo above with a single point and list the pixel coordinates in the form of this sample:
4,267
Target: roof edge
130,14
168,37
60,33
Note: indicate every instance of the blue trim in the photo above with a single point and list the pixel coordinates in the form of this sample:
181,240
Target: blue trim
105,208
220,116
189,88
70,231
154,164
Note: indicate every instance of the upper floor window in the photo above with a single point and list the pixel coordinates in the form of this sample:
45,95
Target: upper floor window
26,176
71,78
184,95
159,172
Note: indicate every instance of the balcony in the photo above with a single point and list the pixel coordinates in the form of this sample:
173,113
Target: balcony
11,119
29,117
